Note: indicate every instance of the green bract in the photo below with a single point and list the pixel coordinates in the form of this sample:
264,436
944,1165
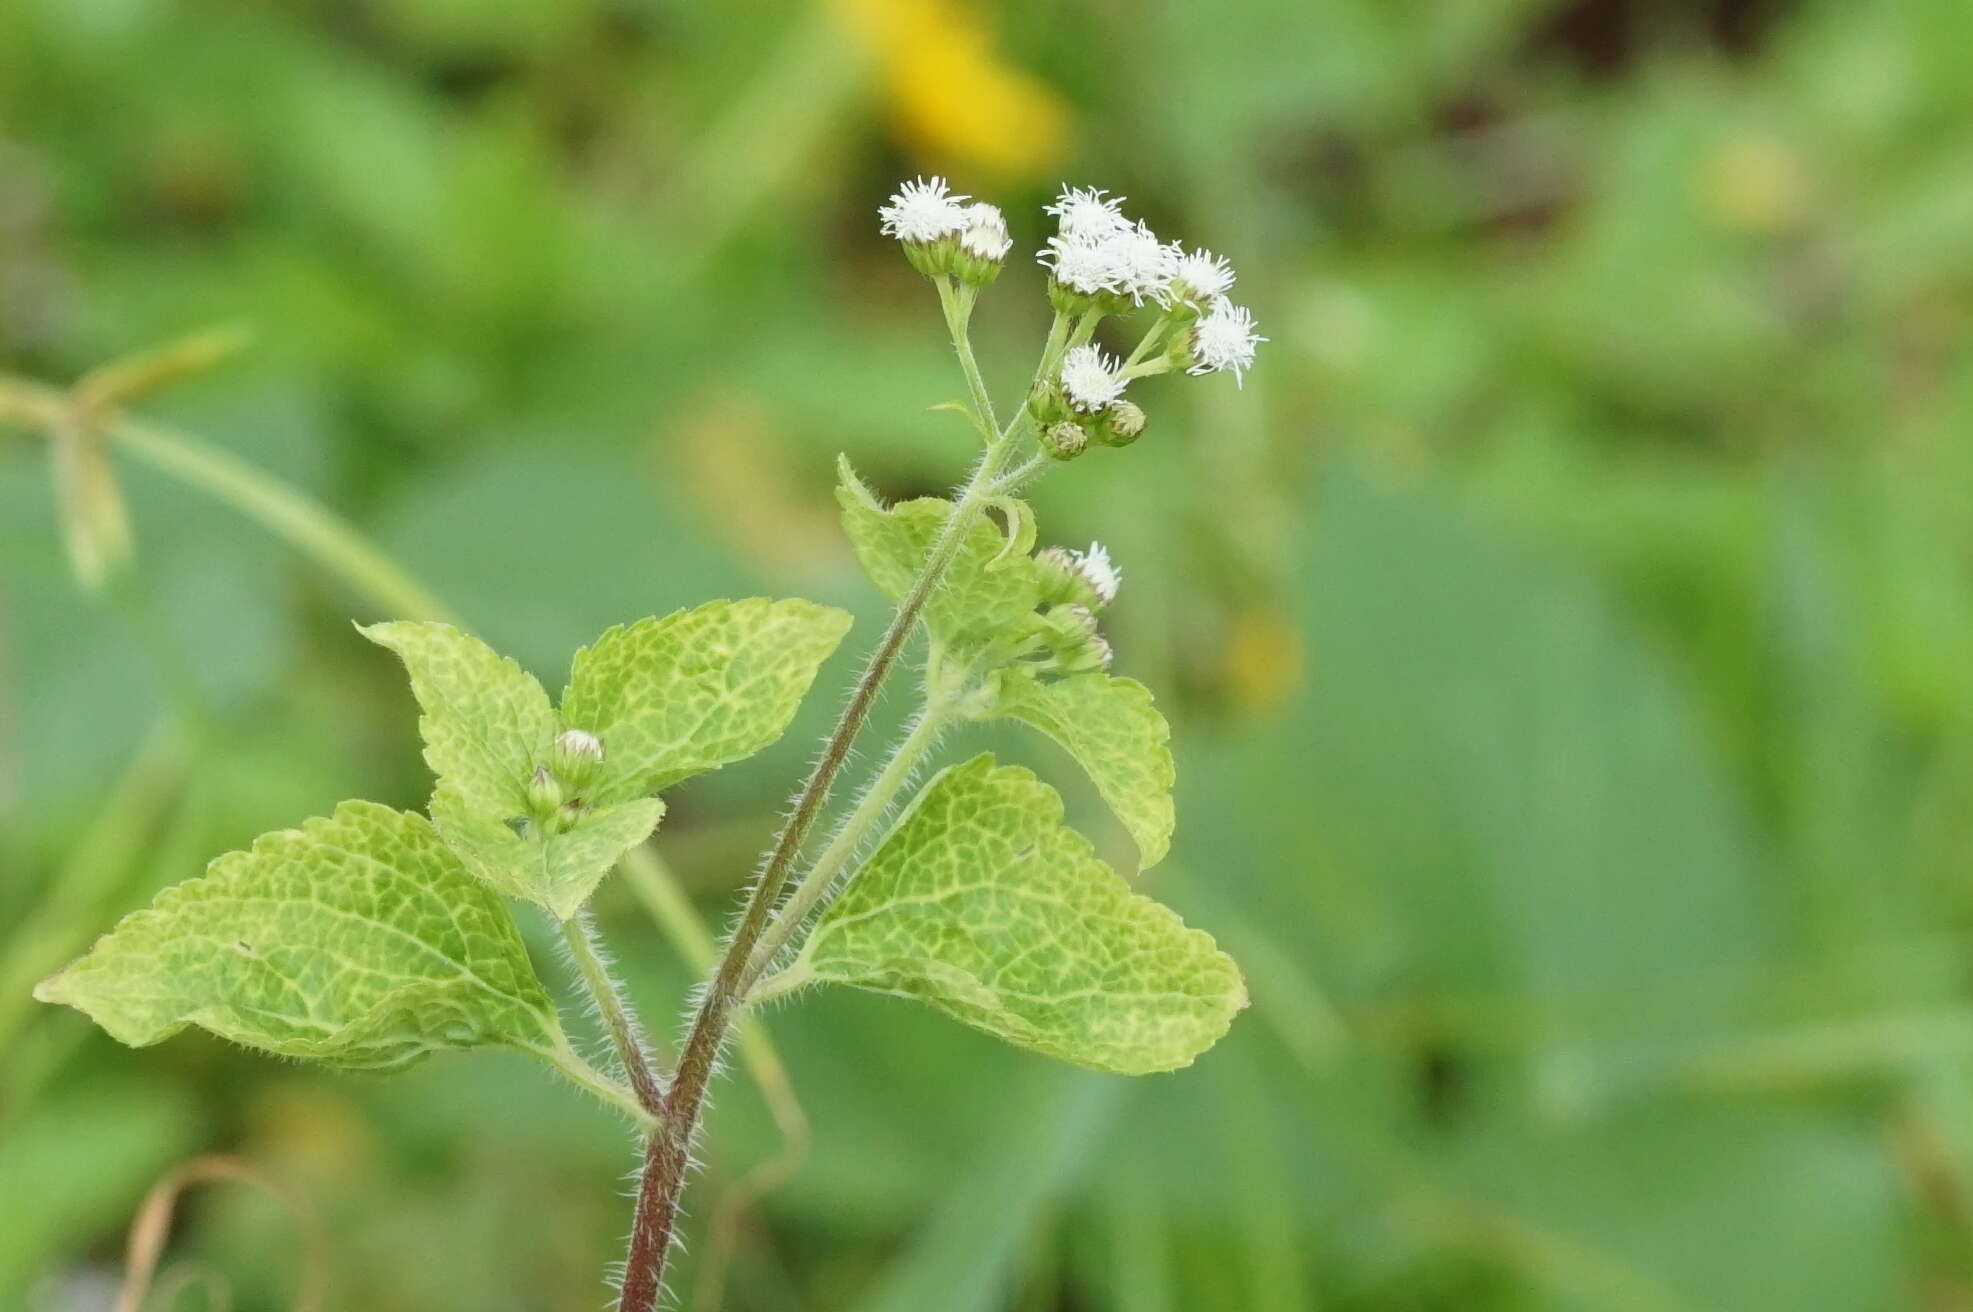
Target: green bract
1110,726
981,903
668,698
357,940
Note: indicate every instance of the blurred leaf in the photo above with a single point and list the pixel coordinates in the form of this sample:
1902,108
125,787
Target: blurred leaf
84,1159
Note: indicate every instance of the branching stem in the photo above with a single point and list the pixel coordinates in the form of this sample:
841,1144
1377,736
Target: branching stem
586,951
875,802
668,1157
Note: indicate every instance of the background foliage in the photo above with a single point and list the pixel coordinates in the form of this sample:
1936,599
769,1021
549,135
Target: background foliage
1567,630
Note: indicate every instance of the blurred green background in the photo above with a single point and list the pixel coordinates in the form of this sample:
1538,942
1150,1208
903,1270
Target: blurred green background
1568,630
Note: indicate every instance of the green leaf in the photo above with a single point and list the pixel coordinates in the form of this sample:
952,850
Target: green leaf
356,940
988,590
696,689
486,723
982,904
1115,733
558,871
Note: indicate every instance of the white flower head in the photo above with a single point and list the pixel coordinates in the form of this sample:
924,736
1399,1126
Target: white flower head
984,236
1145,265
1224,339
1084,212
1084,265
1091,380
1201,277
1098,571
579,742
922,212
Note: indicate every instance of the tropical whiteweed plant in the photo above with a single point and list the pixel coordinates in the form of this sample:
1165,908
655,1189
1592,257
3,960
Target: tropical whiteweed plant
373,937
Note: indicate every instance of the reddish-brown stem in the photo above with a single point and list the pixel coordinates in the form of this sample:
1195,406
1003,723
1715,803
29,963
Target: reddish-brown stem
668,1157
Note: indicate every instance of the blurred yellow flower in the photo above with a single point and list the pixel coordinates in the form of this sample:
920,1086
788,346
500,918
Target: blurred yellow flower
953,101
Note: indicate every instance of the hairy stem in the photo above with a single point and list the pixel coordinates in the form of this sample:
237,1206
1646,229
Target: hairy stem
586,950
569,1062
874,803
667,1159
668,1156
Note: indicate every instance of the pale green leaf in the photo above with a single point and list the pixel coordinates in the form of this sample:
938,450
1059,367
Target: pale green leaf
1118,737
988,590
674,696
356,940
556,870
486,721
981,903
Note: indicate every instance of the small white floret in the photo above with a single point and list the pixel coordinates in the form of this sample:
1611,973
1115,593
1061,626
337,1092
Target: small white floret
1224,339
1083,265
1085,212
1145,265
985,234
580,743
1091,380
1099,571
1202,277
923,212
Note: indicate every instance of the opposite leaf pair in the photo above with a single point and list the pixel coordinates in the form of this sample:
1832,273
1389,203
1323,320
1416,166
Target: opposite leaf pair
372,937
666,698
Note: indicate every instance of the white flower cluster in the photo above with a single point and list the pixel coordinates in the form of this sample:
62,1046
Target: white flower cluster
1100,260
1096,250
1100,255
943,234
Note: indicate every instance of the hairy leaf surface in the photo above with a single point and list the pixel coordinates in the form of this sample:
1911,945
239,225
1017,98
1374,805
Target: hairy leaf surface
981,903
674,696
356,940
1118,737
990,588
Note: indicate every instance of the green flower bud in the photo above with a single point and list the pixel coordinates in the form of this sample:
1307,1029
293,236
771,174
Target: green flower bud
575,757
544,791
1074,642
1122,424
1064,440
1045,403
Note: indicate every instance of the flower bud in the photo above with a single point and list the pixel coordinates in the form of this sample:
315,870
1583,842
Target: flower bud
1065,440
544,792
1088,579
575,757
1045,403
1074,642
1122,424
1056,570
